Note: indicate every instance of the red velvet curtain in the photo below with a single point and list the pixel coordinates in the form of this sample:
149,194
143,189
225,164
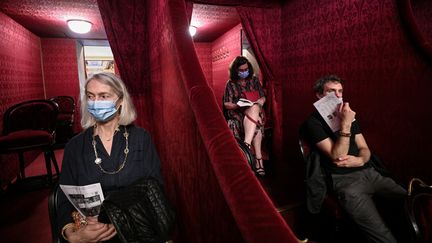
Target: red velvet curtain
216,196
124,23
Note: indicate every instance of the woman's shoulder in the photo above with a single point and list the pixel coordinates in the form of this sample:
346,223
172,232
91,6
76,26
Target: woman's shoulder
136,130
78,139
254,79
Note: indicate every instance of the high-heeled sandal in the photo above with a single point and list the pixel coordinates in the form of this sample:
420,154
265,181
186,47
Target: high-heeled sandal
248,145
259,170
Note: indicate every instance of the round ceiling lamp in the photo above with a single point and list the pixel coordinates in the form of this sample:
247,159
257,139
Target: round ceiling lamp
192,30
79,26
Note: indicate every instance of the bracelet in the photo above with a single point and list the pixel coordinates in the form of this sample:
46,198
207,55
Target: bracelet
345,134
64,229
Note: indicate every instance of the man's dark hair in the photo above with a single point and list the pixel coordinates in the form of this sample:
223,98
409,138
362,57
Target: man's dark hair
319,84
233,69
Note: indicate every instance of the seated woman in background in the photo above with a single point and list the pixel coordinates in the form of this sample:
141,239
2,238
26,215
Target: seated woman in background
245,120
110,151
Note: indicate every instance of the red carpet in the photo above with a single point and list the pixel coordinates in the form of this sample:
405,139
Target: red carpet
24,215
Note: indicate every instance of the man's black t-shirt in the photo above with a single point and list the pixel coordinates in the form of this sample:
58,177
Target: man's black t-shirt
315,129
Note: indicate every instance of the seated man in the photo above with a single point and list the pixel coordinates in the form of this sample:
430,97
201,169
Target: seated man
346,157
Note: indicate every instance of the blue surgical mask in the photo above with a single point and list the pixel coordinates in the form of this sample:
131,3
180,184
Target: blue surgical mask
102,110
243,74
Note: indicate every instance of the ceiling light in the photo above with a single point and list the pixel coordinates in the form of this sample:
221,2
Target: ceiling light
79,26
192,30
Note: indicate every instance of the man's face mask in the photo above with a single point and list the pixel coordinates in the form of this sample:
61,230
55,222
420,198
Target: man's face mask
102,110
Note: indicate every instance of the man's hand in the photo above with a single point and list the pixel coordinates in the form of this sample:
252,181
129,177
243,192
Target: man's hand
346,115
349,161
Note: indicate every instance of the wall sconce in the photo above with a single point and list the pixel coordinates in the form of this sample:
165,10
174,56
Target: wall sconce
79,26
192,30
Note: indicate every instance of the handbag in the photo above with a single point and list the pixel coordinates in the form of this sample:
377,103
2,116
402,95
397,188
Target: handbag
251,95
140,212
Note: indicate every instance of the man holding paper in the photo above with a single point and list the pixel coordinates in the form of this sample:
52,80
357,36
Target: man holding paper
346,158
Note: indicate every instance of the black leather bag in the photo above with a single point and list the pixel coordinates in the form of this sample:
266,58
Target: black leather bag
140,212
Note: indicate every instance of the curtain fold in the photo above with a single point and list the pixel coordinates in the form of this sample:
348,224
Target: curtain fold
124,23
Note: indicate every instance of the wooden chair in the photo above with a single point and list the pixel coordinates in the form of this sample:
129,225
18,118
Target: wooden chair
418,205
52,210
29,126
65,118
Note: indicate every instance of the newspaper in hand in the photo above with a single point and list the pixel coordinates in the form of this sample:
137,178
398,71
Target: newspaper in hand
86,199
244,102
328,107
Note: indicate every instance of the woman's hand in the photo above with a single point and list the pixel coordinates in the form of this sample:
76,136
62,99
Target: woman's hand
230,106
94,231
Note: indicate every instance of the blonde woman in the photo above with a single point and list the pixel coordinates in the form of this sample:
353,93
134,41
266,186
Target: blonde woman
110,151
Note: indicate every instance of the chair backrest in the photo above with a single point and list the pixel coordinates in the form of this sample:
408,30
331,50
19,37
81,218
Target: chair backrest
53,213
30,115
66,104
418,207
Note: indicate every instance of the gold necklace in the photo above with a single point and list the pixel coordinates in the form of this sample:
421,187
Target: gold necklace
98,160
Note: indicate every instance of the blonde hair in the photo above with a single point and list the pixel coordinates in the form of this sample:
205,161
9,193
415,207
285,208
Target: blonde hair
127,109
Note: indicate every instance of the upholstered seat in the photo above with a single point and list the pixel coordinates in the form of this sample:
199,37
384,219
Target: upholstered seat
30,125
24,139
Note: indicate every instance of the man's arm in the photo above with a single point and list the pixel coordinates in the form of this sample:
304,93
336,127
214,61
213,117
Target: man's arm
338,151
356,161
334,150
364,152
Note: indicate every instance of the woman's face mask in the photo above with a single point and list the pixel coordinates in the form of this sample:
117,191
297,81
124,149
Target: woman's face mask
243,74
102,110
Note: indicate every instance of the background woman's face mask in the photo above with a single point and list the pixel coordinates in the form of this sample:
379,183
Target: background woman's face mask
102,110
243,74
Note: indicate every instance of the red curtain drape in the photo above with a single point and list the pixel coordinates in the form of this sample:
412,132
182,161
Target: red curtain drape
216,196
263,30
124,23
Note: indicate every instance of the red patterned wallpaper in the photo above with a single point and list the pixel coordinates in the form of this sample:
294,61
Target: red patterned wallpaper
61,71
224,50
387,82
20,65
203,50
20,78
213,20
